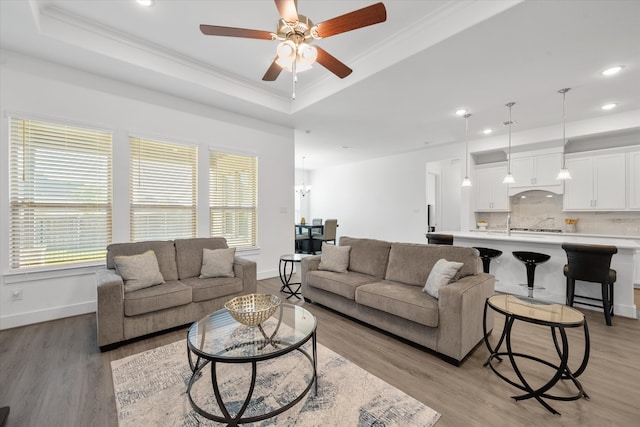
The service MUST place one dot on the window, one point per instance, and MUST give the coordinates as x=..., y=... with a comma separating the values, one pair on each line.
x=233, y=198
x=60, y=194
x=162, y=190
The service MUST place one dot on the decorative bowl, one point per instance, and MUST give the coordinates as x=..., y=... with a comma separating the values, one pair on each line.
x=252, y=309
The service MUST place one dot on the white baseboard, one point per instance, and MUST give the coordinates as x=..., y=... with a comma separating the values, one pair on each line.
x=22, y=319
x=267, y=274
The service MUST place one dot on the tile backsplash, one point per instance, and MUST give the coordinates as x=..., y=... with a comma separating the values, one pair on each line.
x=541, y=209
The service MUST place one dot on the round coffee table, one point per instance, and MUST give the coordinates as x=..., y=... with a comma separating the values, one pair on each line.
x=557, y=317
x=218, y=338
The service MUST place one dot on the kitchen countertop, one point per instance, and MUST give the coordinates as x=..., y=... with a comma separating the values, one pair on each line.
x=549, y=238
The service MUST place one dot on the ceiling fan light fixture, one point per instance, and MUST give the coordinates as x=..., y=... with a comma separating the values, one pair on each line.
x=286, y=52
x=307, y=54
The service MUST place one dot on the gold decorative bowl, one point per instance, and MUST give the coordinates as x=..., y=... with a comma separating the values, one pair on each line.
x=252, y=309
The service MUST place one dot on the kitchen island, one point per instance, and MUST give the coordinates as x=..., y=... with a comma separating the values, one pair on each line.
x=511, y=274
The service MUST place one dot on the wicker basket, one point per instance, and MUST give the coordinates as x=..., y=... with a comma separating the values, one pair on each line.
x=252, y=309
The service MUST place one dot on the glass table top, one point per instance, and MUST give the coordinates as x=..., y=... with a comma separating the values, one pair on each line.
x=529, y=308
x=219, y=336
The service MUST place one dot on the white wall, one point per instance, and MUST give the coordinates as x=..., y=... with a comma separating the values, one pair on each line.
x=386, y=198
x=39, y=90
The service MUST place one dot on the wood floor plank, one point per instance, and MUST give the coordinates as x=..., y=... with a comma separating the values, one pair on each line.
x=53, y=374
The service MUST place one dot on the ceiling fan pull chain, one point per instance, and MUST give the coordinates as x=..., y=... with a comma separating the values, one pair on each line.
x=294, y=80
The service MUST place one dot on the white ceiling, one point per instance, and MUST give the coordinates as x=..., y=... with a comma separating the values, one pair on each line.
x=410, y=73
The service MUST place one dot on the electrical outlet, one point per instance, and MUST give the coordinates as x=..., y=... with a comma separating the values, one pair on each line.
x=16, y=294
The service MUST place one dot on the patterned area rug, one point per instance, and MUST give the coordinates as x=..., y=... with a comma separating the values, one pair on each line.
x=150, y=389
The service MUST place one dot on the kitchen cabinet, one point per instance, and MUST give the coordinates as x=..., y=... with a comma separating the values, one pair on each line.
x=634, y=183
x=491, y=194
x=536, y=171
x=598, y=182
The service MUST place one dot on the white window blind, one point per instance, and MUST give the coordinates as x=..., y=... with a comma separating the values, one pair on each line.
x=60, y=194
x=162, y=190
x=233, y=198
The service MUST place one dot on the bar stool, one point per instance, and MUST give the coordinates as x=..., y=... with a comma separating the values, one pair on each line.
x=486, y=254
x=439, y=239
x=591, y=263
x=531, y=260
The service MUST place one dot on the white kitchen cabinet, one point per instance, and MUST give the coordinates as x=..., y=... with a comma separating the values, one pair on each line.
x=536, y=171
x=598, y=182
x=491, y=193
x=634, y=183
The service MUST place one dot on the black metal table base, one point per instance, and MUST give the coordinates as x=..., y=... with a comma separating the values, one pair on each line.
x=235, y=420
x=563, y=372
x=285, y=269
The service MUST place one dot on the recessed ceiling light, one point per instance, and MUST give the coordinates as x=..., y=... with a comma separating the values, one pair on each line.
x=488, y=131
x=523, y=197
x=608, y=107
x=549, y=195
x=613, y=70
x=144, y=2
x=461, y=112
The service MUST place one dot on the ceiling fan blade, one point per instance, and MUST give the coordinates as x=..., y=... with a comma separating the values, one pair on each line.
x=287, y=10
x=273, y=72
x=215, y=30
x=364, y=17
x=332, y=64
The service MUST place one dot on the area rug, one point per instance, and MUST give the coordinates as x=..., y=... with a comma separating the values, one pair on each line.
x=150, y=390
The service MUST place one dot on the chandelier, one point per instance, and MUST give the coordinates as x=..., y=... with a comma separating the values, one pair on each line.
x=303, y=190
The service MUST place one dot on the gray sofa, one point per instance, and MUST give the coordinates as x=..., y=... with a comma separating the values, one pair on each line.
x=383, y=287
x=182, y=298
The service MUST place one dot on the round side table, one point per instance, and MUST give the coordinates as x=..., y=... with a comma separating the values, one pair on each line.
x=285, y=269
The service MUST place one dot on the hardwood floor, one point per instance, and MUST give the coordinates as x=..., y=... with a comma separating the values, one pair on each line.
x=52, y=374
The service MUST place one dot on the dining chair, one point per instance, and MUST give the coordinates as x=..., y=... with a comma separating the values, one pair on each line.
x=439, y=239
x=316, y=231
x=329, y=235
x=300, y=238
x=591, y=263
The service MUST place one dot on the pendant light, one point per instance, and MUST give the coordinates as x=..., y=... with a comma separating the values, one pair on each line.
x=303, y=190
x=466, y=182
x=564, y=172
x=508, y=178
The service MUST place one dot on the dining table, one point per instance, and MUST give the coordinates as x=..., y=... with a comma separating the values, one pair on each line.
x=307, y=245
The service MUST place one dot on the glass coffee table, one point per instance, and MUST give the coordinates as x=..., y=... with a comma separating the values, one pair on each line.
x=218, y=338
x=557, y=317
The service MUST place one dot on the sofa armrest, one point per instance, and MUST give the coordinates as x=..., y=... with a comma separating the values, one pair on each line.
x=460, y=309
x=110, y=311
x=309, y=263
x=246, y=270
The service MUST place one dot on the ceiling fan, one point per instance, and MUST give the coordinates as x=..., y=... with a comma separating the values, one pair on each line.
x=296, y=33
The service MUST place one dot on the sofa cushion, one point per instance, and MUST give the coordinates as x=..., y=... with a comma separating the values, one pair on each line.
x=189, y=254
x=406, y=301
x=217, y=262
x=441, y=275
x=165, y=253
x=138, y=271
x=214, y=287
x=167, y=295
x=368, y=256
x=334, y=258
x=343, y=284
x=411, y=263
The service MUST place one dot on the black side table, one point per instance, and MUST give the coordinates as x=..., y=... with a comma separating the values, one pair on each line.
x=557, y=317
x=285, y=269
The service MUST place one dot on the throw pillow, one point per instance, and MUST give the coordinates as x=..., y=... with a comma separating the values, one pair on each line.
x=139, y=271
x=334, y=258
x=217, y=262
x=441, y=275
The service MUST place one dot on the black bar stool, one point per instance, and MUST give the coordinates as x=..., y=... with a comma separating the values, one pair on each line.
x=486, y=254
x=439, y=239
x=531, y=260
x=591, y=263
